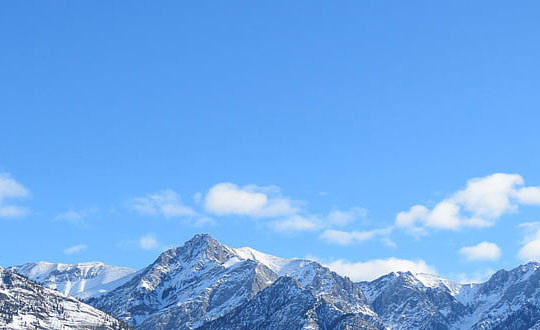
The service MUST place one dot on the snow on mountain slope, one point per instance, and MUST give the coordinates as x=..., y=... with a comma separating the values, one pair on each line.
x=285, y=305
x=25, y=304
x=274, y=263
x=207, y=285
x=508, y=300
x=403, y=302
x=187, y=286
x=82, y=280
x=203, y=280
x=434, y=281
x=330, y=286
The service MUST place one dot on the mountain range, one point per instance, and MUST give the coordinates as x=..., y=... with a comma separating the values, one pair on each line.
x=209, y=286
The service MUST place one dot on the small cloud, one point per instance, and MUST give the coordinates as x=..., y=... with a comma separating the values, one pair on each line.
x=343, y=218
x=148, y=242
x=373, y=269
x=75, y=217
x=348, y=238
x=479, y=276
x=75, y=249
x=481, y=251
x=204, y=221
x=250, y=200
x=11, y=189
x=530, y=251
x=166, y=203
x=297, y=223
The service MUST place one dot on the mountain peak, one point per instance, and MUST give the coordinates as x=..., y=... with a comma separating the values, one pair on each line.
x=201, y=239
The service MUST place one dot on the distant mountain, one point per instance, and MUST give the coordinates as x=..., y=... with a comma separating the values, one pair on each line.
x=25, y=304
x=83, y=280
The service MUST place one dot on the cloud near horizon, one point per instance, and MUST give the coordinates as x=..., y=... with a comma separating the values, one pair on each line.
x=530, y=251
x=373, y=269
x=480, y=204
x=481, y=251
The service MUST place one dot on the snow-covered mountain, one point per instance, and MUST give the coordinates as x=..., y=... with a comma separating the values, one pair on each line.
x=25, y=304
x=209, y=286
x=82, y=280
x=204, y=280
x=508, y=300
x=187, y=286
x=286, y=305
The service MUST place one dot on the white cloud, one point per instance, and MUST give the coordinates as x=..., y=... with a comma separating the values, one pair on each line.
x=11, y=189
x=166, y=203
x=478, y=205
x=251, y=200
x=297, y=223
x=372, y=269
x=343, y=218
x=481, y=251
x=75, y=217
x=75, y=249
x=148, y=242
x=528, y=195
x=479, y=276
x=348, y=238
x=530, y=251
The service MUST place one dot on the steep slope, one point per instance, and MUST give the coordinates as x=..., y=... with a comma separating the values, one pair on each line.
x=508, y=300
x=25, y=304
x=403, y=302
x=82, y=280
x=336, y=290
x=203, y=280
x=187, y=286
x=285, y=305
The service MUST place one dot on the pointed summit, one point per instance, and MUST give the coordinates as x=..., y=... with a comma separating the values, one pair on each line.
x=200, y=247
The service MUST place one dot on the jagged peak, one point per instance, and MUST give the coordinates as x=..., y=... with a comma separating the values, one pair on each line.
x=200, y=245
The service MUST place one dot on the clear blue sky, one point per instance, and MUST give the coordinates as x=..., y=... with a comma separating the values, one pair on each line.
x=115, y=114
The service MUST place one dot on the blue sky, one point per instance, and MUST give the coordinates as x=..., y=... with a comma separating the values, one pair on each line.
x=297, y=128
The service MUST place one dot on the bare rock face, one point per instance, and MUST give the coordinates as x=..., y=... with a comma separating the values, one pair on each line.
x=25, y=304
x=286, y=305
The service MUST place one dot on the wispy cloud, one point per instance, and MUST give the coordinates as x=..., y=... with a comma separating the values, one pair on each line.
x=75, y=249
x=352, y=237
x=75, y=217
x=166, y=203
x=297, y=223
x=148, y=242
